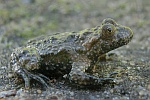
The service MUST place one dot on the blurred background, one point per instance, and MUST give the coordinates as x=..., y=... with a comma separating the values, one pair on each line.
x=24, y=19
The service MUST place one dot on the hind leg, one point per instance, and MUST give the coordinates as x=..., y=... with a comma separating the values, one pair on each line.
x=27, y=76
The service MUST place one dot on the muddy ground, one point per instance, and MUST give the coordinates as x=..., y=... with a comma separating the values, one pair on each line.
x=21, y=20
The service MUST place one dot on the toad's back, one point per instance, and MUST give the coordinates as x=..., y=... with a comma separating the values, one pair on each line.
x=59, y=41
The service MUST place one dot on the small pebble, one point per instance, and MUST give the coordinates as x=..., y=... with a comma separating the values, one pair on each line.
x=124, y=61
x=54, y=97
x=142, y=93
x=132, y=63
x=148, y=86
x=10, y=75
x=72, y=93
x=112, y=90
x=8, y=93
x=39, y=91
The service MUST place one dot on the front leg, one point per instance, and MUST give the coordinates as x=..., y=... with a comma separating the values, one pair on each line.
x=78, y=75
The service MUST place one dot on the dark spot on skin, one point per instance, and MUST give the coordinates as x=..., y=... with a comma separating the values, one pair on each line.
x=53, y=39
x=25, y=51
x=20, y=55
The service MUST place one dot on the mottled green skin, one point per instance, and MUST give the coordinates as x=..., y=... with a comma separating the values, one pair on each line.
x=74, y=54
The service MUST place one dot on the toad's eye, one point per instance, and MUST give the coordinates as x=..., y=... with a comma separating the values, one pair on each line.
x=108, y=30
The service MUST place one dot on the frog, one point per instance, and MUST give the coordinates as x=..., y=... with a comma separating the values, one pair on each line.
x=71, y=54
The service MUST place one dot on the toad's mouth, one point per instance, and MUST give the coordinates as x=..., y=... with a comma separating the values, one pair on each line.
x=123, y=36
